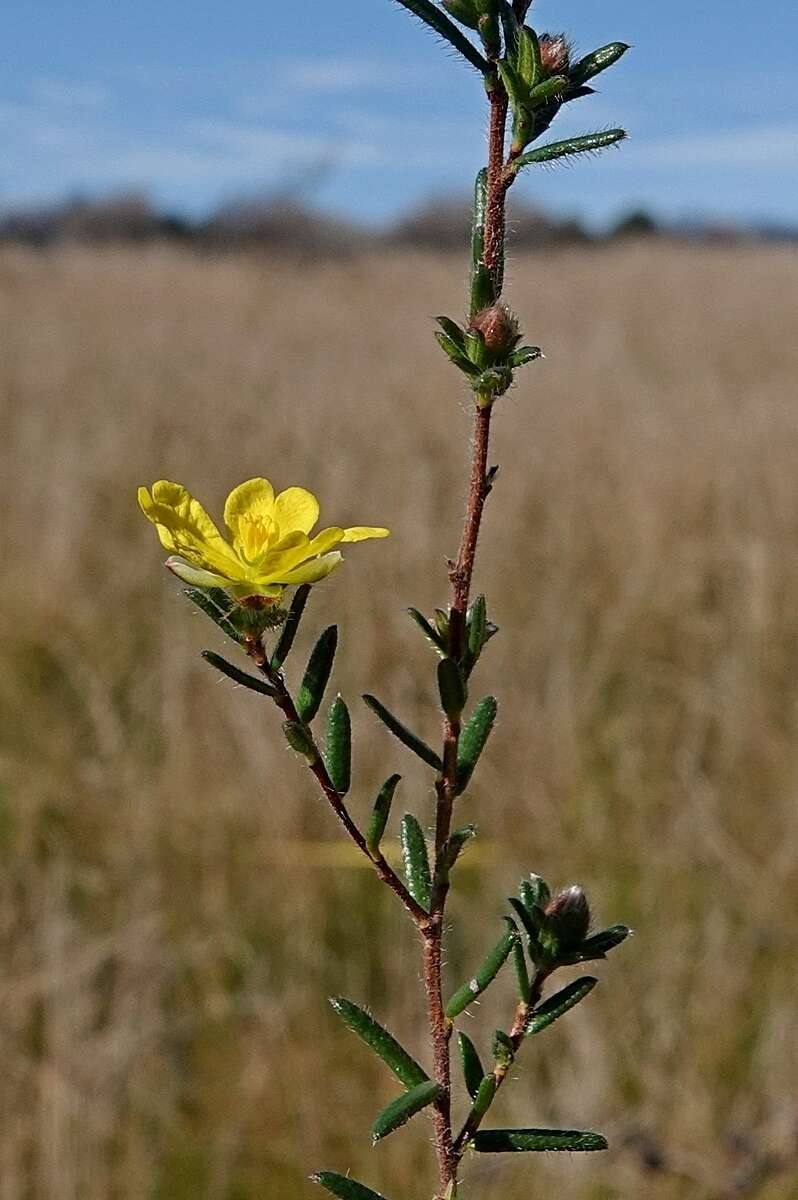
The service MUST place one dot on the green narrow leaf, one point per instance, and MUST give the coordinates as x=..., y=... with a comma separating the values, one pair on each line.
x=522, y=973
x=288, y=633
x=593, y=64
x=558, y=1005
x=343, y=1187
x=483, y=291
x=380, y=814
x=338, y=746
x=477, y=350
x=475, y=734
x=509, y=1141
x=528, y=61
x=529, y=918
x=456, y=355
x=524, y=355
x=548, y=90
x=299, y=739
x=478, y=225
x=429, y=631
x=484, y=1096
x=400, y=731
x=476, y=626
x=317, y=675
x=452, y=688
x=218, y=605
x=490, y=33
x=588, y=144
x=238, y=676
x=437, y=20
x=403, y=1108
x=443, y=625
x=380, y=1041
x=473, y=1071
x=454, y=844
x=599, y=945
x=510, y=24
x=463, y=12
x=485, y=975
x=416, y=860
x=514, y=86
x=453, y=330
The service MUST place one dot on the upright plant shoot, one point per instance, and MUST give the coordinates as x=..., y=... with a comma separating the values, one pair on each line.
x=255, y=584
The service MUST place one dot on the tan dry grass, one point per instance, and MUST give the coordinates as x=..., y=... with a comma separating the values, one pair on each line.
x=166, y=950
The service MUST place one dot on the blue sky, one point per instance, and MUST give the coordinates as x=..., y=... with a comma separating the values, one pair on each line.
x=198, y=101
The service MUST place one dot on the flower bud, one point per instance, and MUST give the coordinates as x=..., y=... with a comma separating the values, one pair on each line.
x=569, y=915
x=498, y=328
x=555, y=53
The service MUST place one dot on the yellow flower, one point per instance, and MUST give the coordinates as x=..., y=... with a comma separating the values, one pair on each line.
x=270, y=548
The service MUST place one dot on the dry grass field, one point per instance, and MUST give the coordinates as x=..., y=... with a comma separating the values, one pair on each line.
x=175, y=903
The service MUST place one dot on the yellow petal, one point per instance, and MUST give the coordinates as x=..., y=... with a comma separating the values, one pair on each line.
x=359, y=533
x=313, y=571
x=253, y=499
x=285, y=556
x=296, y=508
x=195, y=576
x=183, y=525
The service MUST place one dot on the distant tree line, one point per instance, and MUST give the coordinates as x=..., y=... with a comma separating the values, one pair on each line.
x=280, y=224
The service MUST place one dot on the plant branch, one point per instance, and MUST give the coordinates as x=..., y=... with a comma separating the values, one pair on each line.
x=286, y=704
x=460, y=576
x=523, y=1015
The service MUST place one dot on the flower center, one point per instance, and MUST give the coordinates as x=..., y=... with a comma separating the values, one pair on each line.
x=255, y=535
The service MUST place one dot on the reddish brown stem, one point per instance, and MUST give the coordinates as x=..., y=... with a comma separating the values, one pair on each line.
x=497, y=185
x=285, y=703
x=461, y=575
x=523, y=1014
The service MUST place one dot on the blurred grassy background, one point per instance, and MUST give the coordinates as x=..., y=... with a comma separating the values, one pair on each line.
x=171, y=913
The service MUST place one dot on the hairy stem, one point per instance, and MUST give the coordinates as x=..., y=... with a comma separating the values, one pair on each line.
x=523, y=1014
x=460, y=576
x=285, y=703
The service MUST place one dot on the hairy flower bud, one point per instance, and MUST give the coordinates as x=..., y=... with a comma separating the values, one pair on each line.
x=498, y=328
x=555, y=53
x=569, y=914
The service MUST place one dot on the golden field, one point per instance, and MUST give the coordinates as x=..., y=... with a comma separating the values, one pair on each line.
x=175, y=901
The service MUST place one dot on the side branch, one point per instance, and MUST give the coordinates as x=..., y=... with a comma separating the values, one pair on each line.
x=523, y=1015
x=286, y=705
